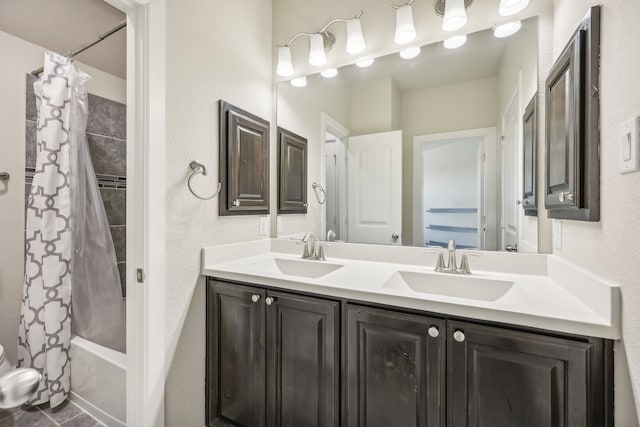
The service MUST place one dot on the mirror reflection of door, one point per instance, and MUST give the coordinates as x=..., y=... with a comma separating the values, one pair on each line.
x=374, y=182
x=334, y=167
x=510, y=181
x=454, y=189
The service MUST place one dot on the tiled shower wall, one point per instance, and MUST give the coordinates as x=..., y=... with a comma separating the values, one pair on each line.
x=106, y=134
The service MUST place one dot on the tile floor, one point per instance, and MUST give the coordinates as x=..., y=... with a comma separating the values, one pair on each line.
x=67, y=415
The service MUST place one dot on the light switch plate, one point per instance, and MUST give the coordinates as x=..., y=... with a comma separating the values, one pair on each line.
x=264, y=225
x=629, y=146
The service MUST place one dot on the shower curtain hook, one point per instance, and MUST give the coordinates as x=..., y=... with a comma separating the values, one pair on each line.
x=199, y=168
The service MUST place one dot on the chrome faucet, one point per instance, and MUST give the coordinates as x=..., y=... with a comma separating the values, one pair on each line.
x=312, y=250
x=452, y=266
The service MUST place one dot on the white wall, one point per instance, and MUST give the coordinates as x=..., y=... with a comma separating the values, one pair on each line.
x=519, y=71
x=299, y=111
x=214, y=50
x=466, y=105
x=374, y=106
x=610, y=247
x=21, y=58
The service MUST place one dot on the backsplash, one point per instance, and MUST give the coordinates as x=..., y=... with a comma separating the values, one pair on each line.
x=106, y=135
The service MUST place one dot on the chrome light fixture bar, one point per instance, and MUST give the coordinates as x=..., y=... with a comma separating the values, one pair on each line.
x=320, y=43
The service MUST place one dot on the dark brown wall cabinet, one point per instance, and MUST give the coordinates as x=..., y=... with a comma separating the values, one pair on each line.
x=272, y=358
x=292, y=172
x=530, y=158
x=244, y=162
x=572, y=127
x=394, y=369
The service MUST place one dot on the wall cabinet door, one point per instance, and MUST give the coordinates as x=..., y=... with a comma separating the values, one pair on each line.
x=530, y=160
x=236, y=354
x=394, y=369
x=303, y=361
x=499, y=377
x=292, y=172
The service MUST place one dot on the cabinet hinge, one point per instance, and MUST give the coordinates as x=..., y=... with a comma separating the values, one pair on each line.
x=140, y=275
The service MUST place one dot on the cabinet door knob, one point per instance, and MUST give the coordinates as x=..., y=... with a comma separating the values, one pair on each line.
x=564, y=195
x=269, y=300
x=255, y=298
x=433, y=332
x=458, y=336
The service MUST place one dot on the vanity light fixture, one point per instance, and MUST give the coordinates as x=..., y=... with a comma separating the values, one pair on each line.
x=329, y=73
x=511, y=7
x=455, y=41
x=299, y=82
x=506, y=30
x=453, y=12
x=410, y=52
x=320, y=43
x=405, y=30
x=364, y=63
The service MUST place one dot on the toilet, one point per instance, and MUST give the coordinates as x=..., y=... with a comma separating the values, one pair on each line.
x=4, y=363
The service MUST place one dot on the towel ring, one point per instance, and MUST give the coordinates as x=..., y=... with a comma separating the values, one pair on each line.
x=198, y=168
x=315, y=187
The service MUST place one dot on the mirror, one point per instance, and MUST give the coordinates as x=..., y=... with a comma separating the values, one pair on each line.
x=419, y=151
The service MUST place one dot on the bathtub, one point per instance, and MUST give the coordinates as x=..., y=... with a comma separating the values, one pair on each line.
x=98, y=381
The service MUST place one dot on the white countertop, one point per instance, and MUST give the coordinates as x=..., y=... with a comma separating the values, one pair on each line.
x=547, y=292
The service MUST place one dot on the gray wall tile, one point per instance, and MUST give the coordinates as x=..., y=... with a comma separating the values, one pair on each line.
x=109, y=156
x=115, y=204
x=32, y=112
x=107, y=118
x=30, y=144
x=119, y=234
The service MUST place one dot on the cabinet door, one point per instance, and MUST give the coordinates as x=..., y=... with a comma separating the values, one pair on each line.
x=394, y=369
x=530, y=161
x=302, y=361
x=236, y=354
x=292, y=172
x=498, y=377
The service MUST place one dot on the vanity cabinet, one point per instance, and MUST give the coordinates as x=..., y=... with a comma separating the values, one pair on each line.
x=273, y=358
x=500, y=377
x=394, y=368
x=276, y=358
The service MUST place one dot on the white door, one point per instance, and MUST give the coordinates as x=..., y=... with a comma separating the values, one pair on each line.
x=374, y=176
x=510, y=178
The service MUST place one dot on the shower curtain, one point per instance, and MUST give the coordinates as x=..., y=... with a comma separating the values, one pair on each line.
x=69, y=254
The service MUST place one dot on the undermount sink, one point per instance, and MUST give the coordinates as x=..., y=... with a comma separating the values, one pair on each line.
x=300, y=268
x=459, y=286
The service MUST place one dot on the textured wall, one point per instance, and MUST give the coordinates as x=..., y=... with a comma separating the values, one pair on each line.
x=214, y=50
x=610, y=247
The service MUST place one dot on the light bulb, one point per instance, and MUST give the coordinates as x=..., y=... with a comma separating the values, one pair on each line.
x=317, y=55
x=405, y=31
x=299, y=81
x=511, y=7
x=284, y=68
x=455, y=16
x=505, y=30
x=364, y=63
x=455, y=42
x=329, y=73
x=355, y=40
x=410, y=52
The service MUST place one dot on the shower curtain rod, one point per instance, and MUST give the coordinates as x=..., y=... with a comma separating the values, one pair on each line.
x=81, y=49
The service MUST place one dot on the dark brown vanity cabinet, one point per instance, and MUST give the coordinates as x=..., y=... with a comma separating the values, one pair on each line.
x=244, y=162
x=273, y=358
x=500, y=377
x=395, y=369
x=530, y=158
x=572, y=127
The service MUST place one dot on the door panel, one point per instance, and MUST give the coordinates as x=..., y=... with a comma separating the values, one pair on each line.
x=237, y=360
x=303, y=361
x=394, y=369
x=375, y=188
x=498, y=377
